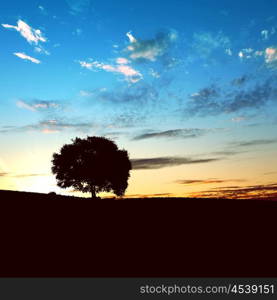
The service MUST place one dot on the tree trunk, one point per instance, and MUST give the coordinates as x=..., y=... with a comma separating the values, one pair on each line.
x=93, y=194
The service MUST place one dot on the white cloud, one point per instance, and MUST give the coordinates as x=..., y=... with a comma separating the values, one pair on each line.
x=131, y=37
x=129, y=73
x=149, y=54
x=259, y=53
x=238, y=119
x=42, y=10
x=27, y=57
x=122, y=61
x=30, y=34
x=154, y=73
x=246, y=53
x=205, y=43
x=84, y=93
x=86, y=65
x=229, y=51
x=37, y=105
x=77, y=31
x=48, y=130
x=195, y=95
x=41, y=50
x=150, y=49
x=78, y=6
x=264, y=34
x=271, y=56
x=22, y=104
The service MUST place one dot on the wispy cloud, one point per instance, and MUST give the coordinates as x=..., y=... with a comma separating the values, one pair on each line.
x=77, y=31
x=266, y=191
x=270, y=173
x=175, y=133
x=84, y=93
x=267, y=33
x=229, y=52
x=27, y=57
x=52, y=126
x=140, y=93
x=240, y=80
x=205, y=43
x=205, y=102
x=22, y=175
x=41, y=50
x=246, y=53
x=36, y=105
x=78, y=6
x=122, y=61
x=271, y=57
x=121, y=67
x=150, y=50
x=42, y=10
x=154, y=74
x=226, y=153
x=255, y=143
x=213, y=100
x=205, y=181
x=238, y=119
x=163, y=162
x=31, y=35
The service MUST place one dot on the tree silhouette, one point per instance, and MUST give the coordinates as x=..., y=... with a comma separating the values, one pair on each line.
x=94, y=165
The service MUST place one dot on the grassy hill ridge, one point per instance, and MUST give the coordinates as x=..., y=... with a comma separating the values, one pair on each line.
x=23, y=196
x=147, y=238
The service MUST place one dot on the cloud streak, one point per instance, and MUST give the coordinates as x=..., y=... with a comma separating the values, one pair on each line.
x=22, y=175
x=256, y=143
x=266, y=191
x=175, y=133
x=37, y=105
x=27, y=57
x=51, y=126
x=205, y=181
x=121, y=67
x=163, y=162
x=31, y=35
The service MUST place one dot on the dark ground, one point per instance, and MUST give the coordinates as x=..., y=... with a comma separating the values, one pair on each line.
x=47, y=235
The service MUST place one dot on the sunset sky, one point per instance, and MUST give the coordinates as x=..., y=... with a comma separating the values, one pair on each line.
x=188, y=88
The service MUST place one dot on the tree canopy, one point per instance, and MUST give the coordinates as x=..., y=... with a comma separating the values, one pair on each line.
x=94, y=165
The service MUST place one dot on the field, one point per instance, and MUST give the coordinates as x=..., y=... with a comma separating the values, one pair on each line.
x=51, y=235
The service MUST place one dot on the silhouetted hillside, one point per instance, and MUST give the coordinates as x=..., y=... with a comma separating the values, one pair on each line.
x=50, y=235
x=25, y=196
x=28, y=196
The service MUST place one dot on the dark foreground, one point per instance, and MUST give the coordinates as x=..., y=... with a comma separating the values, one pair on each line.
x=47, y=235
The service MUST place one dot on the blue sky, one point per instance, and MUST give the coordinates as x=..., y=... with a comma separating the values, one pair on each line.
x=187, y=87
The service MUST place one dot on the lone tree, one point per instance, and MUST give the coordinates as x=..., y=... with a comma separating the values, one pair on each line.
x=94, y=165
